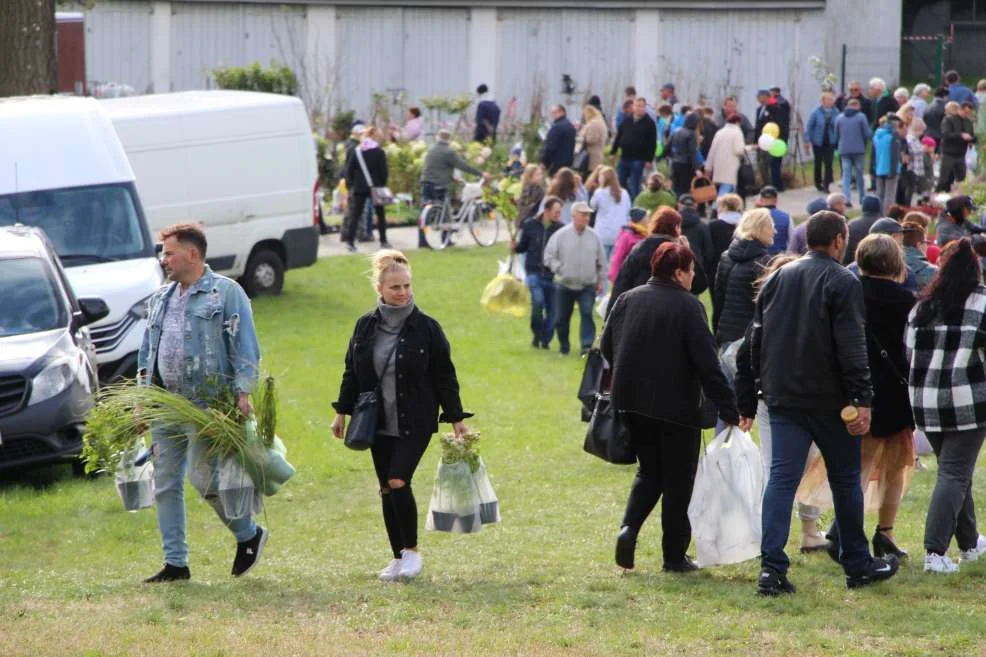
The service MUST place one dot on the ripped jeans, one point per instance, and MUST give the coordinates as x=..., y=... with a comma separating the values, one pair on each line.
x=177, y=450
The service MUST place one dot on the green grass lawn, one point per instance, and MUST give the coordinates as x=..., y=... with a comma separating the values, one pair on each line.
x=541, y=583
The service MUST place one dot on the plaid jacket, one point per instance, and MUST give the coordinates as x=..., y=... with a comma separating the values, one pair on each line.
x=948, y=369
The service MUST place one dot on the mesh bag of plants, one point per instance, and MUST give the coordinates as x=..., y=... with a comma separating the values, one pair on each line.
x=135, y=483
x=506, y=293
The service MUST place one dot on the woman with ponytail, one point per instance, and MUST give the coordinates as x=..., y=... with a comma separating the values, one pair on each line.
x=946, y=346
x=403, y=352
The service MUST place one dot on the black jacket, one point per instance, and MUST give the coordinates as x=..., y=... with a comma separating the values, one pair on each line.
x=952, y=143
x=425, y=374
x=559, y=146
x=636, y=268
x=808, y=342
x=884, y=105
x=663, y=356
x=636, y=139
x=933, y=116
x=865, y=104
x=684, y=143
x=533, y=236
x=722, y=236
x=773, y=113
x=700, y=242
x=708, y=131
x=858, y=229
x=732, y=297
x=887, y=307
x=376, y=164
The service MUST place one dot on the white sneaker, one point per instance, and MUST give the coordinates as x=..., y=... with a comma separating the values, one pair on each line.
x=392, y=572
x=939, y=563
x=410, y=564
x=968, y=556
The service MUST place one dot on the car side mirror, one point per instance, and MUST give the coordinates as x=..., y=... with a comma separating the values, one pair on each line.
x=93, y=310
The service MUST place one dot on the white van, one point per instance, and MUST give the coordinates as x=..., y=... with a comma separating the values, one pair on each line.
x=62, y=168
x=241, y=163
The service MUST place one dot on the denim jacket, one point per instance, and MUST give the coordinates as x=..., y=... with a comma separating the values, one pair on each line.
x=220, y=338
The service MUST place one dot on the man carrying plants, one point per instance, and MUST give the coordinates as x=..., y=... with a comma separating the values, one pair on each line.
x=200, y=343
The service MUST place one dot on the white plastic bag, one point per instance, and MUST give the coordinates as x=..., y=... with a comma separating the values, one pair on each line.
x=135, y=483
x=971, y=158
x=237, y=494
x=513, y=266
x=454, y=505
x=602, y=304
x=725, y=509
x=489, y=505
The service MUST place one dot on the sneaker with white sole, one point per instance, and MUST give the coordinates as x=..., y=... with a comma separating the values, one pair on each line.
x=410, y=564
x=939, y=563
x=392, y=572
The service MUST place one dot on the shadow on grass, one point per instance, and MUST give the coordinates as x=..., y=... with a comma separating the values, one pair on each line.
x=39, y=478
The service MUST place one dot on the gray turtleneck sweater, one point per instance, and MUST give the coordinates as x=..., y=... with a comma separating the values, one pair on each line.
x=388, y=331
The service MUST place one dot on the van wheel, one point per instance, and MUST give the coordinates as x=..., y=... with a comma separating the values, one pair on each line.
x=264, y=274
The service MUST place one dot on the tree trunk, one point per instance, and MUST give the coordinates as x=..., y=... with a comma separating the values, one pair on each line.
x=27, y=48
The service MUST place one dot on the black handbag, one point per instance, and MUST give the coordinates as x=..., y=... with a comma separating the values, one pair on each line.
x=592, y=376
x=608, y=436
x=580, y=162
x=362, y=430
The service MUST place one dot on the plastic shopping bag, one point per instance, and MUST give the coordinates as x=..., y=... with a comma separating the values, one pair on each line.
x=726, y=501
x=454, y=505
x=507, y=293
x=237, y=493
x=267, y=466
x=602, y=305
x=971, y=158
x=135, y=484
x=489, y=505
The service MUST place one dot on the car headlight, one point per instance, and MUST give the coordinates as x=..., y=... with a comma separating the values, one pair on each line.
x=53, y=379
x=139, y=309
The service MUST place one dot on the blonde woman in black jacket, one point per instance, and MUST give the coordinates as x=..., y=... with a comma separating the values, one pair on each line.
x=663, y=355
x=405, y=352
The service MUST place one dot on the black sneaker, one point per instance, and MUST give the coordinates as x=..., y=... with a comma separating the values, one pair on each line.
x=626, y=545
x=686, y=565
x=248, y=553
x=773, y=583
x=170, y=574
x=878, y=571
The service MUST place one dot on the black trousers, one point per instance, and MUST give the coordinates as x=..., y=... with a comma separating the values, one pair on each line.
x=357, y=210
x=681, y=178
x=668, y=458
x=952, y=170
x=398, y=458
x=823, y=160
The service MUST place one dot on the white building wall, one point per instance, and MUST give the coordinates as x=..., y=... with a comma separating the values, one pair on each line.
x=118, y=43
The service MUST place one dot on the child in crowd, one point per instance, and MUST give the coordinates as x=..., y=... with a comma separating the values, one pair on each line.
x=656, y=195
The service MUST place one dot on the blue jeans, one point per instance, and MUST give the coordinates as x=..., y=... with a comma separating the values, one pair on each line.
x=565, y=300
x=726, y=188
x=853, y=164
x=542, y=307
x=369, y=218
x=792, y=433
x=176, y=451
x=631, y=174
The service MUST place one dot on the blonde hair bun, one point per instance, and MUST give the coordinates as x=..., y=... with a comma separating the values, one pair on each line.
x=387, y=260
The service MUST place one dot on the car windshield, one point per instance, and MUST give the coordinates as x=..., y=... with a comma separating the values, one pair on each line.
x=32, y=302
x=84, y=224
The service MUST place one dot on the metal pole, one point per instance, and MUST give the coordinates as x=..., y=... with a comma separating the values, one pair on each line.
x=843, y=70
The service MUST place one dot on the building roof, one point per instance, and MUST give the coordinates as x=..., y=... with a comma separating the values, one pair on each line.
x=540, y=4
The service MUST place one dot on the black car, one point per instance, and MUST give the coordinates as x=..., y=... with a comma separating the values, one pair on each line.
x=47, y=359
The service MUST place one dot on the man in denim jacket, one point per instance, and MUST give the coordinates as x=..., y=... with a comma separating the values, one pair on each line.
x=200, y=335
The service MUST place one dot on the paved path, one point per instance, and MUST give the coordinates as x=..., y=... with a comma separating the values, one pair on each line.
x=405, y=238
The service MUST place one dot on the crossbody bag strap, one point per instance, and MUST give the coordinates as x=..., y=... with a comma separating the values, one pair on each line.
x=886, y=356
x=362, y=165
x=386, y=363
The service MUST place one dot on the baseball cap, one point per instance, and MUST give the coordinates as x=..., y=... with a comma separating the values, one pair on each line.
x=817, y=205
x=686, y=199
x=886, y=226
x=768, y=191
x=871, y=204
x=957, y=204
x=668, y=85
x=358, y=129
x=775, y=88
x=581, y=207
x=763, y=92
x=637, y=214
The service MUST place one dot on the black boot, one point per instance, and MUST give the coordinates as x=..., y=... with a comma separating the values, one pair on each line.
x=884, y=545
x=626, y=545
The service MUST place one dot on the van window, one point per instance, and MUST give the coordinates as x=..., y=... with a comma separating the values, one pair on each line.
x=32, y=301
x=85, y=224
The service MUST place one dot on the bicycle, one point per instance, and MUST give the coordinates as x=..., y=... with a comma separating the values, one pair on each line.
x=439, y=222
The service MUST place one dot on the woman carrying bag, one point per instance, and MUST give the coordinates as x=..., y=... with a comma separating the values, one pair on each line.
x=366, y=177
x=400, y=354
x=663, y=355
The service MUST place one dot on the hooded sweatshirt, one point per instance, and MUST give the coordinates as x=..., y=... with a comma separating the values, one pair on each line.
x=886, y=147
x=853, y=131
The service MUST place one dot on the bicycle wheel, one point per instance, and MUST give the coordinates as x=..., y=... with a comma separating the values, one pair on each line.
x=484, y=224
x=432, y=225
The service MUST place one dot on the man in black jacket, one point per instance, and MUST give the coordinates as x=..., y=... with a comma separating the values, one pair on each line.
x=957, y=134
x=855, y=92
x=769, y=166
x=808, y=351
x=559, y=144
x=534, y=235
x=636, y=140
x=934, y=115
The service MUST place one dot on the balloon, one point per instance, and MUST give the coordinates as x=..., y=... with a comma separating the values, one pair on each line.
x=765, y=142
x=778, y=148
x=772, y=129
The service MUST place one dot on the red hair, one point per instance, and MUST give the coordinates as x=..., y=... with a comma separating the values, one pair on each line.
x=669, y=258
x=665, y=221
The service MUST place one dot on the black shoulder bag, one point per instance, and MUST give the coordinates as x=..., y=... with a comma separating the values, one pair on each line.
x=362, y=430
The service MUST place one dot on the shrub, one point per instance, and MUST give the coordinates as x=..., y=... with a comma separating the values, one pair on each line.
x=276, y=79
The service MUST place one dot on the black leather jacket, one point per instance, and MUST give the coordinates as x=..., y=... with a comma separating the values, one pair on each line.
x=808, y=337
x=425, y=374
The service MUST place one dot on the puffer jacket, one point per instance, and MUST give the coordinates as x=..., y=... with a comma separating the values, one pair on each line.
x=700, y=241
x=732, y=300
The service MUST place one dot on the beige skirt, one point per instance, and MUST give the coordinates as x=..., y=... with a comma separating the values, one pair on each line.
x=887, y=466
